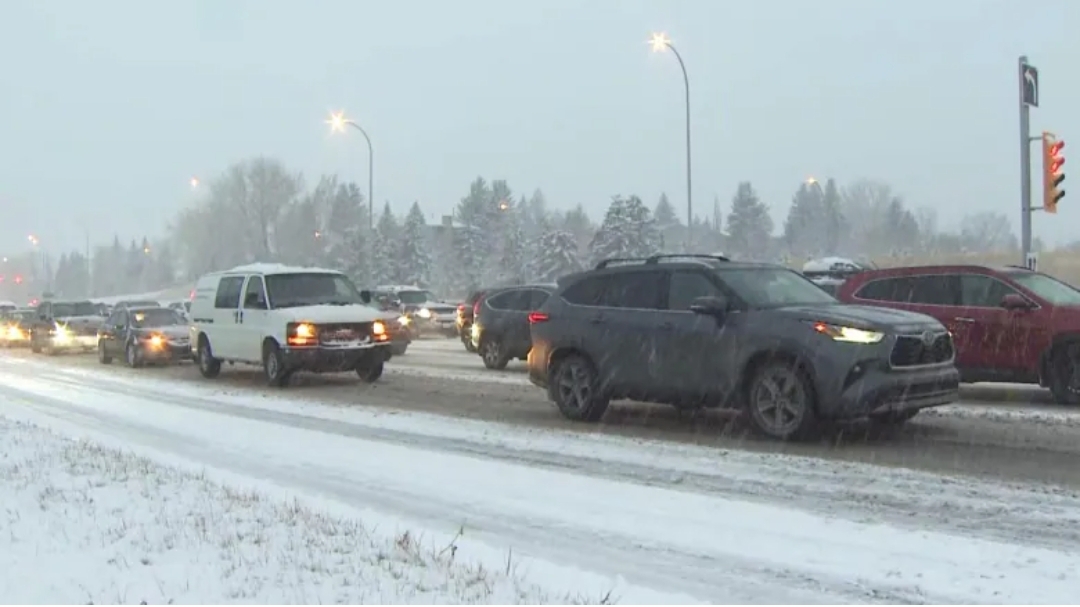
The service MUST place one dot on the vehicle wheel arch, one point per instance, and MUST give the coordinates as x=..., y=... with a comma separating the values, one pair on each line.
x=1046, y=358
x=560, y=354
x=780, y=354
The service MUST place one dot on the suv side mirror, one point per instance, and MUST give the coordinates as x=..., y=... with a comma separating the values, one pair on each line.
x=365, y=296
x=711, y=305
x=1015, y=301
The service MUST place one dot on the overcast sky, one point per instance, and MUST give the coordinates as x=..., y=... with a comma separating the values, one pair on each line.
x=109, y=107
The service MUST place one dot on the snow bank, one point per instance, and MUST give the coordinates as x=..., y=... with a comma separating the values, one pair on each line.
x=86, y=524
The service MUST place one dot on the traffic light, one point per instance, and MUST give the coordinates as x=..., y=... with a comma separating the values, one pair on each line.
x=1053, y=175
x=18, y=279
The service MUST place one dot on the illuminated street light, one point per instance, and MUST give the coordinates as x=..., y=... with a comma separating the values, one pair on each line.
x=33, y=240
x=660, y=43
x=338, y=122
x=194, y=182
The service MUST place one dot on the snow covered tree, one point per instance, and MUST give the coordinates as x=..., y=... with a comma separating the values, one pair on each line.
x=513, y=256
x=667, y=222
x=749, y=224
x=556, y=255
x=414, y=254
x=628, y=230
x=384, y=255
x=344, y=234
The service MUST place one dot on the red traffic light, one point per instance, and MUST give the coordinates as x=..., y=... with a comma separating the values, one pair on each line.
x=18, y=279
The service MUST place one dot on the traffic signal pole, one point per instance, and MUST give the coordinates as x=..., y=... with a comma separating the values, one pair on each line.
x=1025, y=166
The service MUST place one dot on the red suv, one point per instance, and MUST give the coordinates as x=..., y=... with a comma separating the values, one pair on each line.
x=1009, y=324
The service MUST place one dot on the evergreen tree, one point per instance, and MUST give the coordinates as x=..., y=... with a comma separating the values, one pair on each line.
x=385, y=246
x=556, y=255
x=835, y=224
x=512, y=255
x=415, y=253
x=667, y=222
x=805, y=224
x=628, y=230
x=345, y=234
x=749, y=224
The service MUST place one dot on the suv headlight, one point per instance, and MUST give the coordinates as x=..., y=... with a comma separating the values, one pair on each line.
x=849, y=334
x=301, y=334
x=423, y=313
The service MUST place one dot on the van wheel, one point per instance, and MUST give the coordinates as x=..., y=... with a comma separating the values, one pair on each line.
x=370, y=368
x=577, y=390
x=277, y=375
x=780, y=400
x=491, y=351
x=1065, y=374
x=209, y=366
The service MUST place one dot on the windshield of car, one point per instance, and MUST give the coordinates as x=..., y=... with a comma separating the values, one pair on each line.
x=1051, y=289
x=418, y=296
x=20, y=316
x=155, y=317
x=774, y=287
x=67, y=309
x=291, y=290
x=139, y=303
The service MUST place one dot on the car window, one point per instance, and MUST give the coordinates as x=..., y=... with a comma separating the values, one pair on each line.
x=537, y=298
x=514, y=299
x=936, y=290
x=636, y=290
x=979, y=290
x=886, y=289
x=587, y=291
x=772, y=287
x=414, y=297
x=113, y=320
x=254, y=295
x=228, y=292
x=1048, y=288
x=686, y=286
x=156, y=317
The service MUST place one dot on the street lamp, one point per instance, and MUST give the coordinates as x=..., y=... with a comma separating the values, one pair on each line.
x=338, y=122
x=194, y=182
x=660, y=43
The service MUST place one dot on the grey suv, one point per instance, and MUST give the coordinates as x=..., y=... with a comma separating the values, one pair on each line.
x=703, y=331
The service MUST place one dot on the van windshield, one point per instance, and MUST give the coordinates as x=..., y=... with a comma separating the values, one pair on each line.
x=310, y=289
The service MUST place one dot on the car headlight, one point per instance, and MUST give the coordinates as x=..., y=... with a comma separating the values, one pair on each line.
x=849, y=334
x=155, y=341
x=301, y=334
x=423, y=313
x=404, y=321
x=60, y=333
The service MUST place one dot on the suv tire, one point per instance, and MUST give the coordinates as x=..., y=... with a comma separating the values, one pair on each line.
x=1065, y=374
x=493, y=354
x=780, y=401
x=132, y=355
x=277, y=374
x=103, y=354
x=209, y=366
x=576, y=390
x=371, y=367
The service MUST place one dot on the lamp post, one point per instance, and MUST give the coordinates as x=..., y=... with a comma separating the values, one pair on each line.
x=660, y=43
x=338, y=122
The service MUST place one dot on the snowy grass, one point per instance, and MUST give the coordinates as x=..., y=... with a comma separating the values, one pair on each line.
x=87, y=524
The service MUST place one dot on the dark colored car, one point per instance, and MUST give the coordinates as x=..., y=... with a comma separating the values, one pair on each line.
x=144, y=335
x=1009, y=324
x=15, y=327
x=466, y=312
x=65, y=326
x=702, y=331
x=500, y=331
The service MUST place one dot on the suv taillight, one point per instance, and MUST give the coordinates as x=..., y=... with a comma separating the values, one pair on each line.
x=538, y=317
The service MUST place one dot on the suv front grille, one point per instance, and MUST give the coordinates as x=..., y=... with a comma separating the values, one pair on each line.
x=912, y=351
x=343, y=333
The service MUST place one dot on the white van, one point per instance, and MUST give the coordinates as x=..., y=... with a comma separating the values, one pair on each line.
x=286, y=319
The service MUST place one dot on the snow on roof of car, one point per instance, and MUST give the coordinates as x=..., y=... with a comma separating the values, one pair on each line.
x=831, y=264
x=278, y=268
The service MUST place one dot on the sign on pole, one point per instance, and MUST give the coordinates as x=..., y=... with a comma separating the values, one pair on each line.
x=1029, y=85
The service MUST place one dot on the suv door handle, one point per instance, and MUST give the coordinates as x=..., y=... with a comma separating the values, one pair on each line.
x=239, y=315
x=964, y=319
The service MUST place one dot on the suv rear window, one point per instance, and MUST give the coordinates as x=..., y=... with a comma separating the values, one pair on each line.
x=637, y=290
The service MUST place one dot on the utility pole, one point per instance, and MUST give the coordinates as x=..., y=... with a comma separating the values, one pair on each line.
x=1028, y=77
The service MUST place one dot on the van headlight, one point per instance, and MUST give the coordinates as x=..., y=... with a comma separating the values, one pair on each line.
x=423, y=313
x=404, y=321
x=849, y=334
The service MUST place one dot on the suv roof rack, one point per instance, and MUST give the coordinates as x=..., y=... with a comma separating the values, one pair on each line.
x=655, y=259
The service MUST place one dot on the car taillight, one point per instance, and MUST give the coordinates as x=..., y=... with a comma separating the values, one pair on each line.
x=476, y=308
x=461, y=310
x=538, y=317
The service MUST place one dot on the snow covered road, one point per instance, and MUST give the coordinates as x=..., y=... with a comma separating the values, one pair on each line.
x=720, y=526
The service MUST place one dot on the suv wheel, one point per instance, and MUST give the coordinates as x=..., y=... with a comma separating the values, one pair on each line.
x=577, y=391
x=780, y=401
x=103, y=354
x=491, y=351
x=370, y=368
x=209, y=366
x=1065, y=374
x=277, y=374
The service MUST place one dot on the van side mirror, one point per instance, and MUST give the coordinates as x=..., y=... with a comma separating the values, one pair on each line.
x=711, y=306
x=365, y=296
x=1015, y=301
